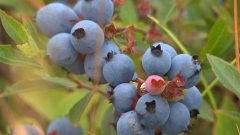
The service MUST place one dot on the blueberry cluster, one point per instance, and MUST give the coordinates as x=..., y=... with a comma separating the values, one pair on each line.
x=77, y=40
x=77, y=43
x=157, y=104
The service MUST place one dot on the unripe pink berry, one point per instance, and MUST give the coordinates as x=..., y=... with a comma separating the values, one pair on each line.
x=154, y=84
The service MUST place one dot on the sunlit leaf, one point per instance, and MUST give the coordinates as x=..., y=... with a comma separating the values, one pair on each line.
x=14, y=29
x=10, y=55
x=108, y=122
x=51, y=103
x=77, y=110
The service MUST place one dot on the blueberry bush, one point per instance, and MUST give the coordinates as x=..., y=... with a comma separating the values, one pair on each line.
x=119, y=67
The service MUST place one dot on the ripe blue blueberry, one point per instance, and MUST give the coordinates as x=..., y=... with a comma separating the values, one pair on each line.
x=63, y=126
x=188, y=66
x=27, y=129
x=77, y=67
x=156, y=61
x=87, y=37
x=153, y=110
x=123, y=96
x=93, y=63
x=118, y=69
x=60, y=49
x=55, y=18
x=193, y=101
x=128, y=124
x=99, y=11
x=178, y=120
x=167, y=48
x=110, y=46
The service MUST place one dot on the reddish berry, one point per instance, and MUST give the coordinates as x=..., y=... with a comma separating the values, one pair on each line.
x=154, y=84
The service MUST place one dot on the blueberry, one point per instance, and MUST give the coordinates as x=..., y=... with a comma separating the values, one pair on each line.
x=128, y=124
x=178, y=120
x=77, y=67
x=99, y=11
x=188, y=66
x=153, y=110
x=87, y=37
x=63, y=126
x=156, y=61
x=193, y=101
x=68, y=2
x=95, y=64
x=118, y=69
x=27, y=129
x=167, y=48
x=123, y=96
x=110, y=46
x=60, y=49
x=55, y=18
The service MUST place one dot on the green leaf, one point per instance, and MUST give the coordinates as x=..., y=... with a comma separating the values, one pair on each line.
x=13, y=28
x=60, y=82
x=231, y=114
x=219, y=40
x=12, y=56
x=165, y=9
x=108, y=122
x=224, y=125
x=77, y=110
x=226, y=73
x=51, y=103
x=19, y=5
x=206, y=112
x=128, y=13
x=31, y=33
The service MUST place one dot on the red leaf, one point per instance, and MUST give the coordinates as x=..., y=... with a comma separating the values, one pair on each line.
x=110, y=31
x=129, y=35
x=134, y=103
x=144, y=8
x=153, y=34
x=173, y=89
x=119, y=2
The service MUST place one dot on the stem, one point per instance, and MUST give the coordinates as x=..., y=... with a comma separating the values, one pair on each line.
x=170, y=34
x=81, y=84
x=236, y=35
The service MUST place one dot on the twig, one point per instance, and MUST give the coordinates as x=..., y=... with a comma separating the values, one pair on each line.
x=81, y=84
x=236, y=35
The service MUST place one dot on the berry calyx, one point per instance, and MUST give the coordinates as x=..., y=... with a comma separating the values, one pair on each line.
x=157, y=51
x=79, y=33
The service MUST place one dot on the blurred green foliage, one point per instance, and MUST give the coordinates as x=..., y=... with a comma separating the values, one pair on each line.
x=196, y=27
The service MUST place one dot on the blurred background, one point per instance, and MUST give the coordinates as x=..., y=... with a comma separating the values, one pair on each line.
x=29, y=94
